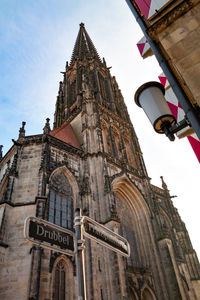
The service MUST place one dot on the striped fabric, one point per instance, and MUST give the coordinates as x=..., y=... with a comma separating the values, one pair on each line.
x=149, y=7
x=179, y=114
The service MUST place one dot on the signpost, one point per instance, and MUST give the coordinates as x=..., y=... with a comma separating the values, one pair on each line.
x=80, y=268
x=48, y=235
x=105, y=236
x=54, y=237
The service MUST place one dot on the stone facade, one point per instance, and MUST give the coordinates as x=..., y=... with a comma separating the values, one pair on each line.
x=91, y=159
x=176, y=30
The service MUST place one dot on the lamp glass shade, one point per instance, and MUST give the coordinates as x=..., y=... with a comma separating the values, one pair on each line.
x=150, y=96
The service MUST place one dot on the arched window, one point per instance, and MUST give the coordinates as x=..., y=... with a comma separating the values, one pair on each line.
x=59, y=282
x=133, y=296
x=129, y=150
x=116, y=136
x=60, y=201
x=63, y=280
x=147, y=295
x=128, y=230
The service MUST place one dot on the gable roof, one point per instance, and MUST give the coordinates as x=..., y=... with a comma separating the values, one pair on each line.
x=66, y=134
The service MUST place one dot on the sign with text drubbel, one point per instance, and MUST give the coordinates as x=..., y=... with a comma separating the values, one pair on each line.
x=105, y=236
x=48, y=235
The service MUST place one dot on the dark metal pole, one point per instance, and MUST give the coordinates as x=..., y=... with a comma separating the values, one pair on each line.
x=189, y=110
x=79, y=256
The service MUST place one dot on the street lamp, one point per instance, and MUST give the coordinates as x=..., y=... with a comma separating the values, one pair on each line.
x=150, y=96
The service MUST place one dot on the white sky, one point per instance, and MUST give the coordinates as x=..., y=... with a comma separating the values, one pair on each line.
x=36, y=39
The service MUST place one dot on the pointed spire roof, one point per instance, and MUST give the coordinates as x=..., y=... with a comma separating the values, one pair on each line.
x=84, y=46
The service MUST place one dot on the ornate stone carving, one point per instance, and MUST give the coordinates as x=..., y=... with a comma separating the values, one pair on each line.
x=85, y=186
x=169, y=18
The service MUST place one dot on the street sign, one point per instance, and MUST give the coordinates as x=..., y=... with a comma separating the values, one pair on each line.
x=105, y=236
x=48, y=235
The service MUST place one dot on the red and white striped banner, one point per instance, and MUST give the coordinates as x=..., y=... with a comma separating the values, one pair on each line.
x=172, y=101
x=179, y=114
x=143, y=47
x=149, y=7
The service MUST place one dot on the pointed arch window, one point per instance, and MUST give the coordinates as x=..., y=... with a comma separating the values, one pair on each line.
x=128, y=230
x=133, y=296
x=63, y=280
x=129, y=150
x=59, y=283
x=147, y=295
x=61, y=202
x=116, y=142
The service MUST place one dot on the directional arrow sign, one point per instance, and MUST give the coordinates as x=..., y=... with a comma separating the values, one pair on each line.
x=48, y=235
x=105, y=236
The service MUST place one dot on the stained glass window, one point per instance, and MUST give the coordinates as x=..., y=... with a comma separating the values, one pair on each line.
x=61, y=202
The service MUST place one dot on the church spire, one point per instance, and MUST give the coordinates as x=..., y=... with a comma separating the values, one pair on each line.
x=84, y=47
x=87, y=75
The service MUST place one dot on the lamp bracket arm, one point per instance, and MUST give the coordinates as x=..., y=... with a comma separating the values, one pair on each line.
x=180, y=125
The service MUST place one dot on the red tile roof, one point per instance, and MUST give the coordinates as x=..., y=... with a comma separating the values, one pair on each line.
x=66, y=134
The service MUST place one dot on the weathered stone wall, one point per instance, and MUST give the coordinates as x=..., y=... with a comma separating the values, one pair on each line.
x=15, y=260
x=181, y=42
x=26, y=183
x=60, y=157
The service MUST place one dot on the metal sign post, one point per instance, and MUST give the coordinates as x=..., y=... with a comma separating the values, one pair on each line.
x=80, y=269
x=57, y=238
x=53, y=237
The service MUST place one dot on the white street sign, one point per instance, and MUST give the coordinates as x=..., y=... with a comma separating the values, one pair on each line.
x=48, y=235
x=105, y=236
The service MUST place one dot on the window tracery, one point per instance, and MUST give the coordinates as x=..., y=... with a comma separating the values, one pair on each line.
x=129, y=150
x=127, y=231
x=61, y=202
x=62, y=280
x=147, y=295
x=116, y=136
x=59, y=282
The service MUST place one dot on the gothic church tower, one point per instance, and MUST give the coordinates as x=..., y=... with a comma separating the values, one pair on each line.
x=91, y=159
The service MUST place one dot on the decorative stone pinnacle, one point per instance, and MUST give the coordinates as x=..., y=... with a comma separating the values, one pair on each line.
x=104, y=62
x=164, y=186
x=47, y=129
x=82, y=25
x=22, y=130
